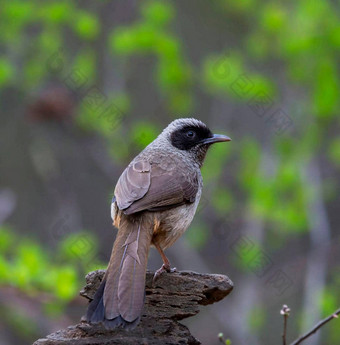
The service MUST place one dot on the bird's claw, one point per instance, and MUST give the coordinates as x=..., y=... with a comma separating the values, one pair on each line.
x=160, y=271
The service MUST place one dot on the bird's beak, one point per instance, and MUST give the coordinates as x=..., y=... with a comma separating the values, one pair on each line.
x=216, y=138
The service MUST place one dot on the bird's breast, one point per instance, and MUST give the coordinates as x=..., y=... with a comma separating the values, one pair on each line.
x=174, y=222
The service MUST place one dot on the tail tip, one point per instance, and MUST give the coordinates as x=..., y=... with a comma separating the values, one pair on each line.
x=116, y=323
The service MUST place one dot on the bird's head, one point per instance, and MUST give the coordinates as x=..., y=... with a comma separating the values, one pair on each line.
x=192, y=136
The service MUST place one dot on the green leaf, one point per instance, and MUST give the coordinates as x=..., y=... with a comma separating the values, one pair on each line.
x=50, y=41
x=103, y=113
x=143, y=134
x=274, y=16
x=7, y=239
x=86, y=25
x=215, y=161
x=226, y=74
x=334, y=151
x=30, y=259
x=287, y=176
x=168, y=48
x=145, y=38
x=123, y=41
x=172, y=73
x=19, y=12
x=57, y=12
x=250, y=156
x=85, y=63
x=326, y=92
x=328, y=301
x=219, y=71
x=66, y=284
x=158, y=13
x=5, y=270
x=79, y=247
x=6, y=71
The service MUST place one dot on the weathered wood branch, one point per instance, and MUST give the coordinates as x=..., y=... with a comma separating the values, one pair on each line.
x=174, y=297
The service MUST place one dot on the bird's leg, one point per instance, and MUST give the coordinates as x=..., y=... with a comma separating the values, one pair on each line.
x=166, y=263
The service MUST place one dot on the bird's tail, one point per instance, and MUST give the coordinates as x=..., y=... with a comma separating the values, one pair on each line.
x=120, y=298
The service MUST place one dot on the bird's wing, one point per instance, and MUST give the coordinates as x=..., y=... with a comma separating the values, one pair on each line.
x=133, y=184
x=145, y=186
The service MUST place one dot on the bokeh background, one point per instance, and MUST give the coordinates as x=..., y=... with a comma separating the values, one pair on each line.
x=85, y=85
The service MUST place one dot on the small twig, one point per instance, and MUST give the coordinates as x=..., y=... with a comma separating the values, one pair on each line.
x=316, y=327
x=285, y=312
x=284, y=329
x=223, y=340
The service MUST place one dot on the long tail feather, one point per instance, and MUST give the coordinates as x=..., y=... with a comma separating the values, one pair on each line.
x=120, y=298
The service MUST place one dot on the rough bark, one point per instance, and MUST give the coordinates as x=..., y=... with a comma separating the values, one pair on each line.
x=174, y=297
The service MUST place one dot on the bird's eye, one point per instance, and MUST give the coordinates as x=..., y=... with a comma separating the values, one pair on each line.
x=190, y=134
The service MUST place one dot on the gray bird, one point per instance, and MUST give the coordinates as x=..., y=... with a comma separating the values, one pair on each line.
x=154, y=202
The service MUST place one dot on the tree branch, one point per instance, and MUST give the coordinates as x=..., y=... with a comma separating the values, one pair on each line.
x=316, y=327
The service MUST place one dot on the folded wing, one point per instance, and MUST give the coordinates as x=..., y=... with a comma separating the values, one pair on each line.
x=145, y=186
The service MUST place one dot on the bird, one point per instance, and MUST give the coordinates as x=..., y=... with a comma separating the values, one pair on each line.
x=154, y=202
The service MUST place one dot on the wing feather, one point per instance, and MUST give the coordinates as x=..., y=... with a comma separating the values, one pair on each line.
x=133, y=184
x=145, y=186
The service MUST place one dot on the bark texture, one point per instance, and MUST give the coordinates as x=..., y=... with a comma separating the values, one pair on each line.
x=175, y=296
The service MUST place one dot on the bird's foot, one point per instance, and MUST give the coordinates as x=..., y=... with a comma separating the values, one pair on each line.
x=164, y=268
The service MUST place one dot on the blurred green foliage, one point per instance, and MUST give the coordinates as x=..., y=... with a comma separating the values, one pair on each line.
x=334, y=151
x=227, y=74
x=143, y=133
x=257, y=319
x=152, y=35
x=28, y=327
x=303, y=37
x=199, y=235
x=26, y=265
x=6, y=71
